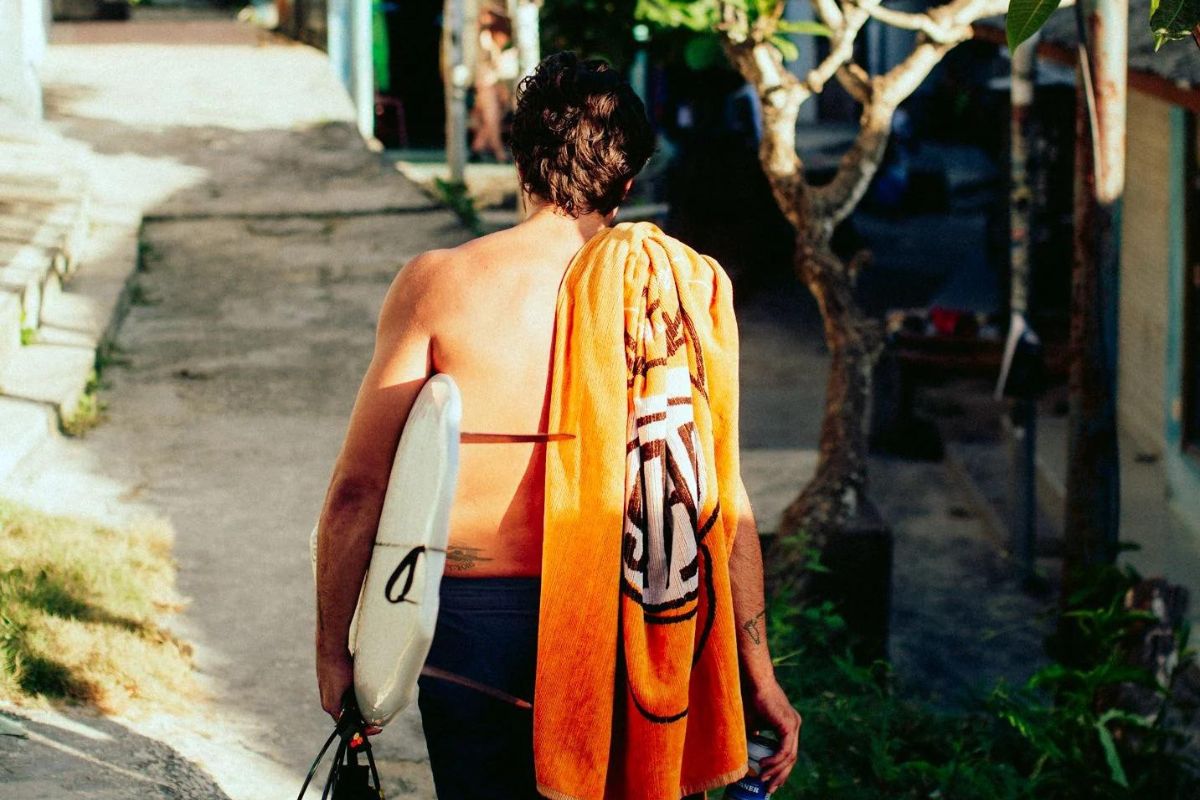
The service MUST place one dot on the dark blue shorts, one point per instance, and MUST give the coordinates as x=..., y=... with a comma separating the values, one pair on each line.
x=481, y=748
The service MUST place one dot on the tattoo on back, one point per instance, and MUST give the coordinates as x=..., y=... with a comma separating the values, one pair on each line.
x=752, y=626
x=461, y=559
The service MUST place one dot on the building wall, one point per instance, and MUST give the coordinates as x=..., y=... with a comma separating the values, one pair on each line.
x=1145, y=259
x=23, y=25
x=1182, y=468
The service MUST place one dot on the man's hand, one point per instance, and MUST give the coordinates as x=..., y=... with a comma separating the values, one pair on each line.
x=768, y=707
x=335, y=674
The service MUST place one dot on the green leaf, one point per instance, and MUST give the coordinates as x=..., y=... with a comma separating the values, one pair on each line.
x=804, y=27
x=695, y=16
x=786, y=46
x=1116, y=770
x=1173, y=19
x=1025, y=17
x=703, y=52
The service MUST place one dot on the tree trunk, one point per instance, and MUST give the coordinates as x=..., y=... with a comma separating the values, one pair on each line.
x=835, y=492
x=460, y=32
x=1093, y=469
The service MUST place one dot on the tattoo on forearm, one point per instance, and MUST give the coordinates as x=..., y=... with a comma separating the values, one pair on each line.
x=461, y=559
x=752, y=626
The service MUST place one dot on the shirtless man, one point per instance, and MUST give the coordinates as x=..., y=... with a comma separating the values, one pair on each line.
x=484, y=313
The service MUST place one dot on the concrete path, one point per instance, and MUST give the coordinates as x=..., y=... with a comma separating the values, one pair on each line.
x=271, y=236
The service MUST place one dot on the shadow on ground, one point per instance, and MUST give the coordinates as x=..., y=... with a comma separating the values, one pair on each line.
x=93, y=756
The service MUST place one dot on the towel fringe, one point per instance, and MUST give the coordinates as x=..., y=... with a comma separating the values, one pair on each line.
x=717, y=782
x=554, y=794
x=695, y=788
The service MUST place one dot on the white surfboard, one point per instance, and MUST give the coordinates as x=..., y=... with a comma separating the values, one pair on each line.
x=398, y=607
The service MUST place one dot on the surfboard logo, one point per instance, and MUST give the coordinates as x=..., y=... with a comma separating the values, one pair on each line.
x=405, y=571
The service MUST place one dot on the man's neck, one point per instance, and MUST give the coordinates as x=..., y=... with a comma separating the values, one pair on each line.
x=550, y=222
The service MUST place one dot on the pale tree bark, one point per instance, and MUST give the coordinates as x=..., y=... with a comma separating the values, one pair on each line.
x=525, y=16
x=835, y=493
x=460, y=34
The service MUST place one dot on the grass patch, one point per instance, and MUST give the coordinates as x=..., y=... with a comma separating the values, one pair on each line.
x=89, y=411
x=80, y=612
x=1055, y=738
x=457, y=198
x=28, y=332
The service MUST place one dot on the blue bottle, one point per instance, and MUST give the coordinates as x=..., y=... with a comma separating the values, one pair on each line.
x=750, y=787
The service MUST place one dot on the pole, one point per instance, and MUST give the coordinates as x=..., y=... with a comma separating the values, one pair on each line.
x=1093, y=472
x=525, y=34
x=362, y=66
x=1022, y=201
x=337, y=39
x=459, y=33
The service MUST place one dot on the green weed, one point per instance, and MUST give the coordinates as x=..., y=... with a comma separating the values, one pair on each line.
x=88, y=411
x=457, y=198
x=1053, y=738
x=28, y=332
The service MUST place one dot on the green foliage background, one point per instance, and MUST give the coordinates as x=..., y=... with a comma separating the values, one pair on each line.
x=1051, y=738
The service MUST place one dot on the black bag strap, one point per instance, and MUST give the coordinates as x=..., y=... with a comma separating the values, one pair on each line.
x=351, y=735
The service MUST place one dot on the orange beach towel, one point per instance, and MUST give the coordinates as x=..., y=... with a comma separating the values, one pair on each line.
x=637, y=694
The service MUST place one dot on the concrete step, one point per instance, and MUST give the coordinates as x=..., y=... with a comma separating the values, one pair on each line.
x=42, y=245
x=10, y=326
x=24, y=272
x=95, y=300
x=23, y=426
x=48, y=229
x=54, y=375
x=61, y=227
x=75, y=321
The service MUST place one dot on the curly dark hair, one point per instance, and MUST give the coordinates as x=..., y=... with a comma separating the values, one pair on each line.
x=578, y=133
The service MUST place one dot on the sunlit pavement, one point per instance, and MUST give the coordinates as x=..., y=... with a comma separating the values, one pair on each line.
x=271, y=235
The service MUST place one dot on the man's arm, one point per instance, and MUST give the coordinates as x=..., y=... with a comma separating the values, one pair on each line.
x=766, y=704
x=354, y=500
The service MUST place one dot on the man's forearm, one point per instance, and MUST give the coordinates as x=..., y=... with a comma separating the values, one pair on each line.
x=345, y=537
x=749, y=602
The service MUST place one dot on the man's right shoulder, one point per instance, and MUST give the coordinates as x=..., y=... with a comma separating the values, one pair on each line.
x=431, y=284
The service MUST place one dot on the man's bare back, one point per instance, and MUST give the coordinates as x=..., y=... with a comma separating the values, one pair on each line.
x=490, y=310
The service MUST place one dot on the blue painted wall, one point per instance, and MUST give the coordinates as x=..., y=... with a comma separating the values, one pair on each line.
x=1183, y=469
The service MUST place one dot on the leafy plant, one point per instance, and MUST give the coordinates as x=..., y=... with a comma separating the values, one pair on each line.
x=1173, y=19
x=88, y=411
x=1055, y=737
x=458, y=199
x=1169, y=19
x=705, y=16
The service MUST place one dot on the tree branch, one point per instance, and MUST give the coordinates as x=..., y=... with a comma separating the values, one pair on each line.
x=781, y=96
x=834, y=201
x=829, y=13
x=855, y=80
x=942, y=24
x=921, y=22
x=840, y=51
x=946, y=26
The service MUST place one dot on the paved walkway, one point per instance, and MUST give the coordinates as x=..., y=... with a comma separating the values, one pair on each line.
x=271, y=236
